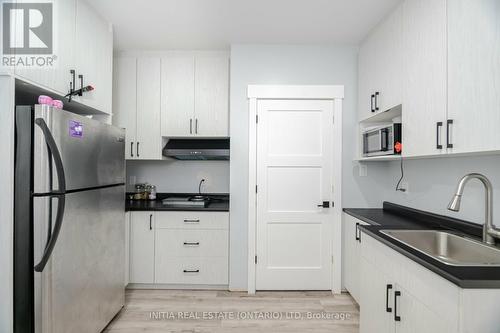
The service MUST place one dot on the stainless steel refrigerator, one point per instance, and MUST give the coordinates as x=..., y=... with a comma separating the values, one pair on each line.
x=69, y=232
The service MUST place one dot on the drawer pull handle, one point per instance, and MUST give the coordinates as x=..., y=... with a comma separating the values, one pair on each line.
x=191, y=221
x=387, y=308
x=396, y=316
x=191, y=271
x=191, y=243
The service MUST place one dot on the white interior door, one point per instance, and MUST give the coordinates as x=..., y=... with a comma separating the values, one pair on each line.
x=294, y=176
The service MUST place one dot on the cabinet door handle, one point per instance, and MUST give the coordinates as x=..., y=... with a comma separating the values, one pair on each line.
x=150, y=221
x=131, y=149
x=72, y=83
x=137, y=146
x=376, y=100
x=196, y=126
x=449, y=122
x=191, y=221
x=371, y=103
x=81, y=85
x=191, y=243
x=439, y=125
x=191, y=126
x=387, y=308
x=191, y=271
x=396, y=295
x=356, y=233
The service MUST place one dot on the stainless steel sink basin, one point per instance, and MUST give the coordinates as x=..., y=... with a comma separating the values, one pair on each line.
x=447, y=247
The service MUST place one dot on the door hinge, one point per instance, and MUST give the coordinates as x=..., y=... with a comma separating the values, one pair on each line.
x=256, y=260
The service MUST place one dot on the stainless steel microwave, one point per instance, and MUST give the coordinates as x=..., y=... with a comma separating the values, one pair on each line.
x=381, y=140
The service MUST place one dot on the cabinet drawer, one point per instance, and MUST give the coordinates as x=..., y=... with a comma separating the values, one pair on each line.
x=192, y=220
x=191, y=270
x=191, y=243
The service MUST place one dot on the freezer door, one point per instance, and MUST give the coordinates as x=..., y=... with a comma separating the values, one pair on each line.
x=93, y=153
x=81, y=288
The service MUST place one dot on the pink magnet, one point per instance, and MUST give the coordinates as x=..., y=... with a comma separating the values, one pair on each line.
x=43, y=99
x=58, y=104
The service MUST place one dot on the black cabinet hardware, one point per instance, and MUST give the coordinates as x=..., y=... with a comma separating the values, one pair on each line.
x=396, y=295
x=196, y=126
x=371, y=103
x=448, y=139
x=191, y=271
x=439, y=125
x=191, y=221
x=387, y=308
x=376, y=101
x=150, y=221
x=80, y=91
x=191, y=243
x=131, y=149
x=357, y=233
x=72, y=84
x=137, y=149
x=191, y=126
x=325, y=204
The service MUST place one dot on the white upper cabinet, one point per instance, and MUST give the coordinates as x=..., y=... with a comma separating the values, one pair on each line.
x=57, y=78
x=137, y=103
x=125, y=100
x=446, y=54
x=424, y=63
x=211, y=96
x=195, y=94
x=177, y=81
x=94, y=57
x=474, y=74
x=380, y=67
x=83, y=42
x=148, y=135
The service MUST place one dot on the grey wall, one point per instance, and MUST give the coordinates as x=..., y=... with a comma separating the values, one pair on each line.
x=432, y=183
x=180, y=176
x=290, y=64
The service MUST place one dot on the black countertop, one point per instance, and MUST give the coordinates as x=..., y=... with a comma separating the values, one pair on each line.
x=394, y=216
x=218, y=203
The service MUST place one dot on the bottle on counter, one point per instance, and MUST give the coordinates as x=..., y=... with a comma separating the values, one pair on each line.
x=140, y=192
x=151, y=192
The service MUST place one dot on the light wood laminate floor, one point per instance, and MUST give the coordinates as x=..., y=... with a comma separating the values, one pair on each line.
x=222, y=311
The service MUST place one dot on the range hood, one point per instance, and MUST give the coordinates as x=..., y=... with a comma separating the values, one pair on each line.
x=197, y=149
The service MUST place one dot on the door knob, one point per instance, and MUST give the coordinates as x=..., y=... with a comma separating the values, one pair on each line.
x=325, y=204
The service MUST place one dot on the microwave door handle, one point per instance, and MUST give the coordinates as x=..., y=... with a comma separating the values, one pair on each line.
x=59, y=194
x=384, y=139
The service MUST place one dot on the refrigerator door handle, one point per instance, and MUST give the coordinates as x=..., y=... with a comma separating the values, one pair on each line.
x=59, y=194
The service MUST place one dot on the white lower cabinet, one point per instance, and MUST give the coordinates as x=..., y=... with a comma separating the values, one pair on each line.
x=181, y=248
x=351, y=240
x=142, y=247
x=399, y=295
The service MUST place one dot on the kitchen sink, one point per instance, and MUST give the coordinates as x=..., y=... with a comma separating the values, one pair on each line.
x=447, y=247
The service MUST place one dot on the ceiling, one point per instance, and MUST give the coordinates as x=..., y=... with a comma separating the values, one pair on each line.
x=204, y=24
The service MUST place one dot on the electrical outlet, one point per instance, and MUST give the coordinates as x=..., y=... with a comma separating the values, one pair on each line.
x=363, y=170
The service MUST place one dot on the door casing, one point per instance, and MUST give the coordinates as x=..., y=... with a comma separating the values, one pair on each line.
x=308, y=92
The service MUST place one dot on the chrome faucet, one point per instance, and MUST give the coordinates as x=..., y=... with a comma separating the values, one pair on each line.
x=490, y=232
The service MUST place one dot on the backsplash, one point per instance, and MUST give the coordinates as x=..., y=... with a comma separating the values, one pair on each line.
x=432, y=183
x=180, y=176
